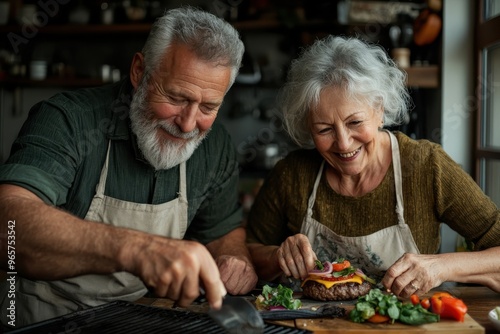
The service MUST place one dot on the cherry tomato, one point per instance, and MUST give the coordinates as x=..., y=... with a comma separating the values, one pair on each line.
x=415, y=300
x=426, y=303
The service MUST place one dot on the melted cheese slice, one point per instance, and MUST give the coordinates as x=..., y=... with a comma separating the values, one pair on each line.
x=329, y=284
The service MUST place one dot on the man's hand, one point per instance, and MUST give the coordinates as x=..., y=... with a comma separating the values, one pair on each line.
x=234, y=261
x=237, y=273
x=176, y=269
x=53, y=244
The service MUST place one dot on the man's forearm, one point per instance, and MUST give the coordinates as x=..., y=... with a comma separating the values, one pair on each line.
x=52, y=244
x=232, y=244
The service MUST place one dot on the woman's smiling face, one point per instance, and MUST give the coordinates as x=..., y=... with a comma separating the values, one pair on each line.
x=345, y=131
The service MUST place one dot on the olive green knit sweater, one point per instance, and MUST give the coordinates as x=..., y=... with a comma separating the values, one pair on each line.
x=435, y=190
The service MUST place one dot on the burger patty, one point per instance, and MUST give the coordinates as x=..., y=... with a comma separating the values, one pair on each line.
x=341, y=291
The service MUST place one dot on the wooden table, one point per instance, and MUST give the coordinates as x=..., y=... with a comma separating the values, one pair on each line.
x=479, y=300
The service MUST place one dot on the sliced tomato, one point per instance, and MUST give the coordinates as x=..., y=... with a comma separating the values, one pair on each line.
x=341, y=266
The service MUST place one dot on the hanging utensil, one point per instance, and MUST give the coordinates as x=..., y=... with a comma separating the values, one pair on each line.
x=395, y=35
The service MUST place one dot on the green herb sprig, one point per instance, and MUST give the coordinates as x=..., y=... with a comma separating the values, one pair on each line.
x=389, y=305
x=279, y=296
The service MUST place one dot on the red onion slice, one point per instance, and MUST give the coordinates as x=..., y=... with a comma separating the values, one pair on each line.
x=360, y=273
x=326, y=271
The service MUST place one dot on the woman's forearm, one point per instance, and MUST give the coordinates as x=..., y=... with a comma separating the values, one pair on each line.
x=478, y=267
x=265, y=261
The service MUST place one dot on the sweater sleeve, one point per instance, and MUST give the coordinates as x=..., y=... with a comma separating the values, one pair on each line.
x=462, y=205
x=281, y=203
x=265, y=219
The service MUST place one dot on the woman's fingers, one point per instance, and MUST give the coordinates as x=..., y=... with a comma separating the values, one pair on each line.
x=413, y=274
x=296, y=256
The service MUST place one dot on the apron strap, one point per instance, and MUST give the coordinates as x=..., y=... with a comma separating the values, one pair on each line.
x=398, y=179
x=182, y=183
x=312, y=198
x=99, y=191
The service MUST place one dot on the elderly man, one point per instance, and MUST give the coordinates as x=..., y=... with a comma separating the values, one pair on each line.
x=115, y=190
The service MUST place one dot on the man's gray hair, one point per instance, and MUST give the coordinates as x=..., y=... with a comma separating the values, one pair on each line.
x=211, y=38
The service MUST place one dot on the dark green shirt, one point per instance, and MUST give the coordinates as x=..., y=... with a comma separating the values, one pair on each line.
x=62, y=146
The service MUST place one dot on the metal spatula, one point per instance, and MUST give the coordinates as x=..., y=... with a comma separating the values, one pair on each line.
x=238, y=316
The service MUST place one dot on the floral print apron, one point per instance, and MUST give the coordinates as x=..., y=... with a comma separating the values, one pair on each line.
x=373, y=253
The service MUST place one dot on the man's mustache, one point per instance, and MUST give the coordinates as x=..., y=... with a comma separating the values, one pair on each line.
x=175, y=131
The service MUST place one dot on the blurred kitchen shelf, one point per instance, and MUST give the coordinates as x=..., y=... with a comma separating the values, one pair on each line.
x=423, y=76
x=79, y=29
x=125, y=28
x=82, y=29
x=270, y=24
x=418, y=76
x=51, y=82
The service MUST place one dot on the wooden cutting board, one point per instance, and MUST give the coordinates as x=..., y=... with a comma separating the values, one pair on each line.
x=344, y=325
x=334, y=326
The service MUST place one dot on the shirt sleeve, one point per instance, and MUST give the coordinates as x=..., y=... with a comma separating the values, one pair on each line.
x=42, y=160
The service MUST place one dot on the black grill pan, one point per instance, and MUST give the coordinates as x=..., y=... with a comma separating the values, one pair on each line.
x=124, y=317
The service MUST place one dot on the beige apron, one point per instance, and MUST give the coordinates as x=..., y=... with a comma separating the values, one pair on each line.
x=40, y=300
x=373, y=253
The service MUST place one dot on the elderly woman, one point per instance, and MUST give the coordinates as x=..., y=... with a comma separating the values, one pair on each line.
x=358, y=191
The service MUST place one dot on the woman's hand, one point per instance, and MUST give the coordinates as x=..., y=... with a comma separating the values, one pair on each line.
x=418, y=274
x=296, y=257
x=415, y=274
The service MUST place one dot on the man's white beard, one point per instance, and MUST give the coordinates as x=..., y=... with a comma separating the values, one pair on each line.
x=159, y=152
